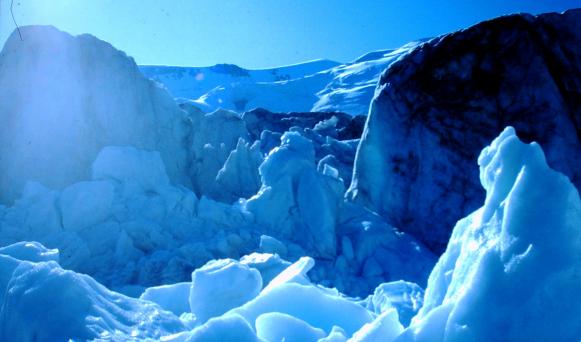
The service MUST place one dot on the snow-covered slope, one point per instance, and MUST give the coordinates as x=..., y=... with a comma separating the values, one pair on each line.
x=312, y=86
x=193, y=82
x=437, y=107
x=353, y=84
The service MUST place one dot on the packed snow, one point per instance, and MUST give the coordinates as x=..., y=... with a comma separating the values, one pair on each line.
x=186, y=225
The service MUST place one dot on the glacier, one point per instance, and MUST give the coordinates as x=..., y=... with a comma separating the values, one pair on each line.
x=136, y=216
x=128, y=214
x=527, y=232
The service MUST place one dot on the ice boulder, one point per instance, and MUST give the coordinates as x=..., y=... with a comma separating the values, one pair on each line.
x=219, y=329
x=269, y=265
x=129, y=164
x=33, y=217
x=174, y=298
x=295, y=273
x=276, y=326
x=511, y=269
x=407, y=298
x=63, y=98
x=386, y=327
x=222, y=285
x=85, y=204
x=296, y=202
x=318, y=307
x=438, y=106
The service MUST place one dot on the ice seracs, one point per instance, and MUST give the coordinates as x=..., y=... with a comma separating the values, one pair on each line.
x=527, y=232
x=295, y=200
x=239, y=177
x=511, y=269
x=130, y=228
x=217, y=134
x=238, y=229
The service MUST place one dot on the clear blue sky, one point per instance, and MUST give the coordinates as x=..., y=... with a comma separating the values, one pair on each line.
x=260, y=33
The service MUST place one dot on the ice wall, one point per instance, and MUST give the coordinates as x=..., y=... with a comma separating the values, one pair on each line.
x=439, y=105
x=63, y=98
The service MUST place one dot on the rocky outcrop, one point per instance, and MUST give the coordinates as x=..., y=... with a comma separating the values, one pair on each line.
x=438, y=106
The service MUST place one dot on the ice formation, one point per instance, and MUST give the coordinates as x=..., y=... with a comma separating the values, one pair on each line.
x=511, y=269
x=216, y=135
x=527, y=232
x=221, y=226
x=126, y=219
x=228, y=283
x=295, y=199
